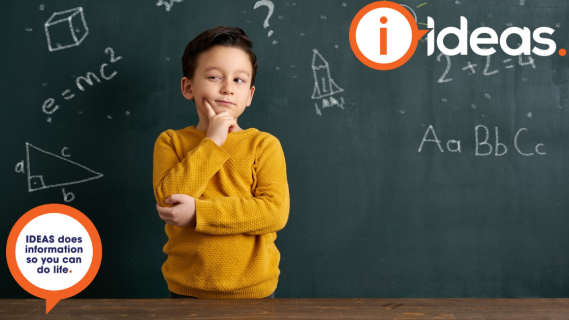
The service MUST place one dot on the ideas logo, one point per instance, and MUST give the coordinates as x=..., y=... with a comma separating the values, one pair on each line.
x=396, y=40
x=384, y=36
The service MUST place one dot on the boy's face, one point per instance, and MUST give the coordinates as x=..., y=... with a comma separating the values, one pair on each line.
x=222, y=74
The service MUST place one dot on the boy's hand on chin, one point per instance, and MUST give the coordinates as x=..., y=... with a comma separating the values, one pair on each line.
x=219, y=124
x=182, y=213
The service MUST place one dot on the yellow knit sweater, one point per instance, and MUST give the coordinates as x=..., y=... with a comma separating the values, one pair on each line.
x=242, y=200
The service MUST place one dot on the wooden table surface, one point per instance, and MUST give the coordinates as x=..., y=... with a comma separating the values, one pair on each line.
x=285, y=308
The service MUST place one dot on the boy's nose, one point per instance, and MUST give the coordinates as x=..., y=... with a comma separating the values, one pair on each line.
x=227, y=88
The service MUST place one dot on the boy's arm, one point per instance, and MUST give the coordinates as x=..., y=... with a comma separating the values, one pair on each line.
x=189, y=175
x=266, y=212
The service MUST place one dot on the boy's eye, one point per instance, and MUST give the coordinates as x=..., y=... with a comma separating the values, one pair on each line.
x=238, y=79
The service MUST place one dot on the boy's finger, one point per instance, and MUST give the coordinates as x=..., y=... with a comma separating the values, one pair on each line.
x=210, y=112
x=160, y=208
x=168, y=220
x=232, y=125
x=165, y=211
x=175, y=198
x=161, y=216
x=226, y=118
x=222, y=114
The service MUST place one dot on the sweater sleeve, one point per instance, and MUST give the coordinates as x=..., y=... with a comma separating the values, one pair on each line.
x=266, y=212
x=189, y=175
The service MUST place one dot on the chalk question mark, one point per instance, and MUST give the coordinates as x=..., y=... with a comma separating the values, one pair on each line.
x=271, y=6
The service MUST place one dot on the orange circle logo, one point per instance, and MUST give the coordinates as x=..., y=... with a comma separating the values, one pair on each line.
x=54, y=252
x=384, y=35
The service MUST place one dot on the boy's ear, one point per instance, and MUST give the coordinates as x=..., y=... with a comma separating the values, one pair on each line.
x=251, y=92
x=187, y=91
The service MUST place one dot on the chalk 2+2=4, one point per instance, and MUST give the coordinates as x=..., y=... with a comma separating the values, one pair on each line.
x=486, y=72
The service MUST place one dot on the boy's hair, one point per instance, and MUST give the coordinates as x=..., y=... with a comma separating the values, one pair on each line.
x=222, y=36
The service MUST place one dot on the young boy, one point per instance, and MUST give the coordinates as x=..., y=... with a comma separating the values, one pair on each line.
x=222, y=190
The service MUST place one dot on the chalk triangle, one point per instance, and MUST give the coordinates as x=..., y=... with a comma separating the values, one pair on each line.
x=48, y=170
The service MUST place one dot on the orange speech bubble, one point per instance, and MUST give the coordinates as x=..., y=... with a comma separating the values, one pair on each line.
x=54, y=296
x=416, y=35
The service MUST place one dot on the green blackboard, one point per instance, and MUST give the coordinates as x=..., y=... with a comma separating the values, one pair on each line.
x=377, y=210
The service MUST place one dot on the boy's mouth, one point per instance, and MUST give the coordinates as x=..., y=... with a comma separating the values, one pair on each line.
x=225, y=103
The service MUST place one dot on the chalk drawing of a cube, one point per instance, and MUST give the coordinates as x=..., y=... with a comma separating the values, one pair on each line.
x=66, y=29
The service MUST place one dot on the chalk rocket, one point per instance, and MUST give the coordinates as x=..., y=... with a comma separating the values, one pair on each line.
x=324, y=85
